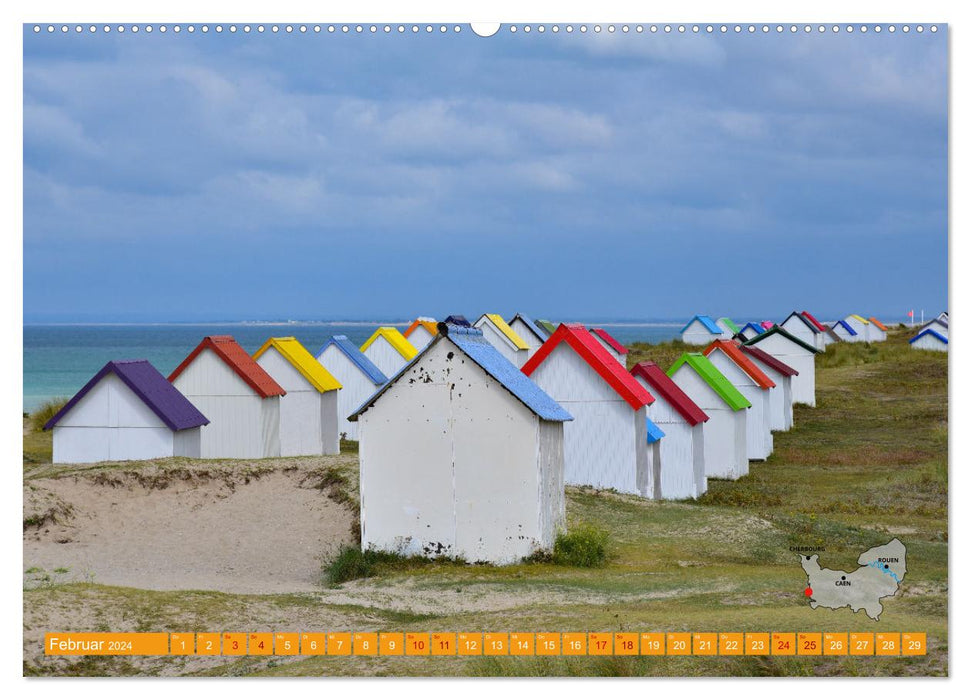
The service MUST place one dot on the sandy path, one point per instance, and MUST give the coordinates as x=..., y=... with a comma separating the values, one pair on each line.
x=266, y=536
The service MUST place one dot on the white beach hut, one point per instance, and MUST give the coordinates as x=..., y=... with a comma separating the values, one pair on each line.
x=799, y=326
x=240, y=399
x=606, y=444
x=798, y=354
x=308, y=411
x=937, y=325
x=358, y=376
x=611, y=345
x=878, y=331
x=388, y=350
x=726, y=453
x=127, y=411
x=846, y=332
x=728, y=327
x=530, y=331
x=749, y=331
x=682, y=451
x=700, y=330
x=421, y=331
x=497, y=332
x=928, y=339
x=461, y=455
x=780, y=396
x=754, y=385
x=861, y=326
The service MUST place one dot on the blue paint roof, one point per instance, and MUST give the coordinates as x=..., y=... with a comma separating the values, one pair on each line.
x=472, y=343
x=847, y=327
x=148, y=384
x=654, y=433
x=540, y=333
x=754, y=326
x=458, y=320
x=353, y=354
x=706, y=321
x=929, y=331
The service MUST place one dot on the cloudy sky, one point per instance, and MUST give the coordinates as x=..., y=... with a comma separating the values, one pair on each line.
x=234, y=177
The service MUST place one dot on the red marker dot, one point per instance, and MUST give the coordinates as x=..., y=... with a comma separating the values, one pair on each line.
x=809, y=592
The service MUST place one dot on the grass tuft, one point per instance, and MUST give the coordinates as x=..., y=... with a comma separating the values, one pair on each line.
x=585, y=546
x=45, y=412
x=352, y=563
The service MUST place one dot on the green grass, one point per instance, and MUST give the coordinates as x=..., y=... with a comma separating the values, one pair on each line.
x=45, y=412
x=585, y=545
x=869, y=463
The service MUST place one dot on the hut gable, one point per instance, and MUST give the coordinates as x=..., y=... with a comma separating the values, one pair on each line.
x=150, y=388
x=706, y=322
x=297, y=356
x=389, y=350
x=929, y=339
x=507, y=341
x=232, y=355
x=877, y=323
x=731, y=350
x=663, y=387
x=608, y=341
x=596, y=356
x=814, y=321
x=527, y=329
x=702, y=366
x=343, y=345
x=767, y=359
x=421, y=331
x=547, y=326
x=780, y=332
x=796, y=320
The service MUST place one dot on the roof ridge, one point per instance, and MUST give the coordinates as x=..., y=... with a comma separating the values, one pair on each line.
x=293, y=351
x=730, y=348
x=664, y=386
x=245, y=367
x=358, y=358
x=713, y=378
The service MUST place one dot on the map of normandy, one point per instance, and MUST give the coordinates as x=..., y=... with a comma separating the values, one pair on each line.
x=881, y=571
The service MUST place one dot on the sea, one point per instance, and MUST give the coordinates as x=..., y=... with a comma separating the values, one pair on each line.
x=60, y=359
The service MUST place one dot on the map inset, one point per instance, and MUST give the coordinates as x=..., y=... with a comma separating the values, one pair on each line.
x=881, y=571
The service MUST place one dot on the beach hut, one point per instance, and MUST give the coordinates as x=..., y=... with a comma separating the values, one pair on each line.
x=457, y=320
x=308, y=410
x=824, y=338
x=766, y=325
x=798, y=354
x=547, y=326
x=497, y=332
x=728, y=327
x=941, y=327
x=878, y=331
x=461, y=455
x=861, y=326
x=927, y=339
x=798, y=325
x=529, y=331
x=845, y=332
x=682, y=451
x=421, y=331
x=831, y=335
x=358, y=376
x=754, y=385
x=127, y=411
x=726, y=454
x=942, y=316
x=606, y=444
x=780, y=396
x=389, y=350
x=241, y=400
x=611, y=345
x=700, y=330
x=749, y=331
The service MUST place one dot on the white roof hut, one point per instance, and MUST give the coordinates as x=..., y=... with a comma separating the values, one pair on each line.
x=498, y=333
x=308, y=411
x=606, y=444
x=421, y=331
x=700, y=330
x=682, y=451
x=799, y=325
x=798, y=354
x=461, y=455
x=358, y=376
x=388, y=350
x=936, y=324
x=754, y=385
x=127, y=411
x=530, y=331
x=726, y=454
x=780, y=396
x=240, y=399
x=928, y=339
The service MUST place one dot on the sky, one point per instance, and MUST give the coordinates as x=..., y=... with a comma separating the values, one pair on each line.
x=204, y=177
